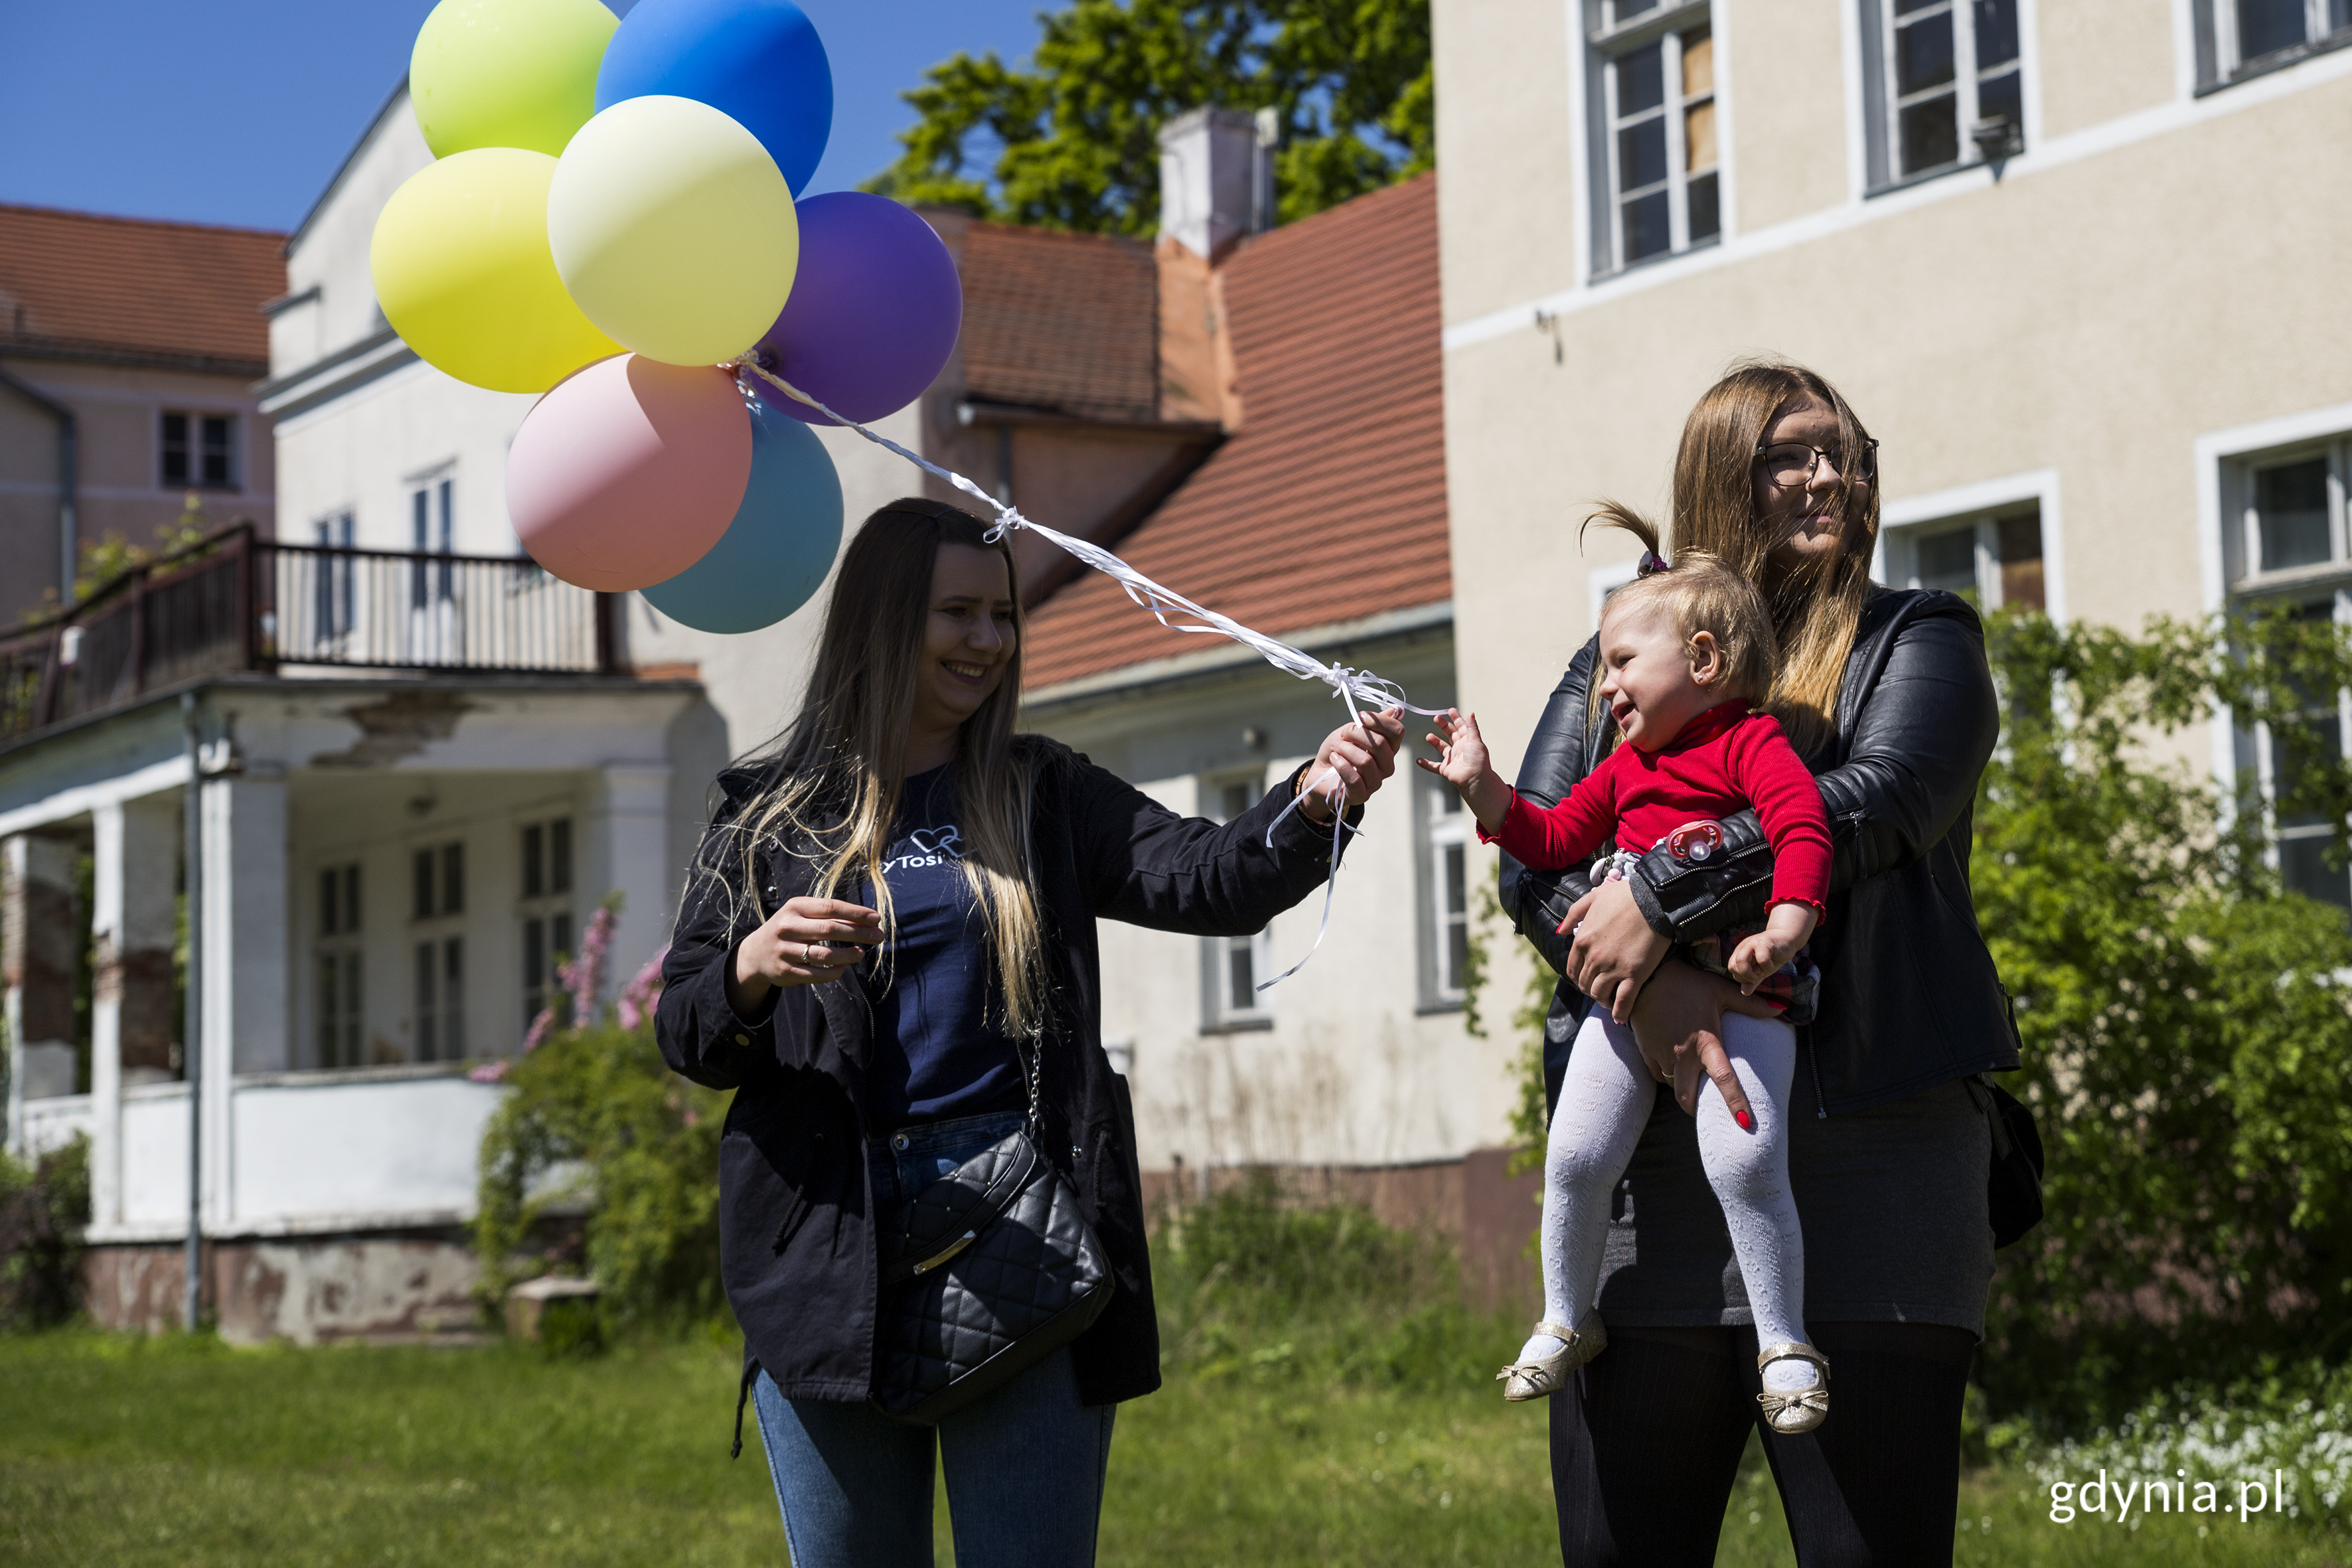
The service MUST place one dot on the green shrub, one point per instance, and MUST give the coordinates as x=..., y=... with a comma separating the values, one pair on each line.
x=1253, y=1284
x=598, y=1125
x=2186, y=1041
x=43, y=1208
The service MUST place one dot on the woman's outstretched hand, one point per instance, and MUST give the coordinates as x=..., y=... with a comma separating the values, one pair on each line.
x=1362, y=752
x=1679, y=1023
x=1613, y=949
x=806, y=942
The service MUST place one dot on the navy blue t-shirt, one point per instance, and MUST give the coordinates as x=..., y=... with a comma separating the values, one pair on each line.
x=936, y=1055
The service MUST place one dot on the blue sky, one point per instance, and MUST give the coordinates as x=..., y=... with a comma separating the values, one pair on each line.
x=238, y=112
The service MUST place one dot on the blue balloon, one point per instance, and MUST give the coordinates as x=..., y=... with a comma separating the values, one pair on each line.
x=774, y=556
x=757, y=61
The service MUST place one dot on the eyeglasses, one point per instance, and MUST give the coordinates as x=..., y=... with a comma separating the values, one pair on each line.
x=1791, y=463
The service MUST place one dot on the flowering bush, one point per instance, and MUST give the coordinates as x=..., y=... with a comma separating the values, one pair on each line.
x=598, y=1126
x=2250, y=1432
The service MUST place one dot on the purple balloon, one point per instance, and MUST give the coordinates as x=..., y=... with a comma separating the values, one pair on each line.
x=874, y=311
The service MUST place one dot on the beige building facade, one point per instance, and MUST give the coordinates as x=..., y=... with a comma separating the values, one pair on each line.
x=2082, y=268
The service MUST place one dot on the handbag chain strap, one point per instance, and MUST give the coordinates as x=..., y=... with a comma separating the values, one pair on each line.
x=1036, y=1074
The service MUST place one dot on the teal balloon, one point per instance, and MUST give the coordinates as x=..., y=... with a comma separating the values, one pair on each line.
x=774, y=556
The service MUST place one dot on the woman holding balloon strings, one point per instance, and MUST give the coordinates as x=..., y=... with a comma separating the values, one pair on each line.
x=891, y=921
x=1886, y=697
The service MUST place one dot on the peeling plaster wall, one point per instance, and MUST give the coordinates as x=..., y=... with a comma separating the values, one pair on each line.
x=312, y=1291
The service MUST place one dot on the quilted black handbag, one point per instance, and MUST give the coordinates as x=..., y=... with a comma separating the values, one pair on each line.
x=991, y=1268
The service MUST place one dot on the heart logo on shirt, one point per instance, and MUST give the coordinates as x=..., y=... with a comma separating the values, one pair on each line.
x=937, y=841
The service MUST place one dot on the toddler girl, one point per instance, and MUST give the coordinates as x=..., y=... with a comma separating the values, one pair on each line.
x=1685, y=651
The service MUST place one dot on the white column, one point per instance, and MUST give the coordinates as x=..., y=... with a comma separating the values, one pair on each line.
x=245, y=996
x=106, y=1015
x=627, y=847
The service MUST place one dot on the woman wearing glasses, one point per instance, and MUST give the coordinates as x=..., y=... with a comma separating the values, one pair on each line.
x=1886, y=697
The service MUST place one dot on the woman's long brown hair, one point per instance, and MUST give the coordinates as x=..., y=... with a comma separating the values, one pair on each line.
x=1817, y=605
x=830, y=782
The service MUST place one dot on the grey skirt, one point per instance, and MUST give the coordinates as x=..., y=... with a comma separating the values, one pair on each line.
x=1892, y=1200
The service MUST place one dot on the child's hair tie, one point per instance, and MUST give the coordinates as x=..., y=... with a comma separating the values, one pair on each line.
x=1651, y=561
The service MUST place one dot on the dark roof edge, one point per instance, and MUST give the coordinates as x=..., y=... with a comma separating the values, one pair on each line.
x=67, y=349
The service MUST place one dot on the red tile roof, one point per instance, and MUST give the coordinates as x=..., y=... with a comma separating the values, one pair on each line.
x=1329, y=504
x=1067, y=322
x=79, y=286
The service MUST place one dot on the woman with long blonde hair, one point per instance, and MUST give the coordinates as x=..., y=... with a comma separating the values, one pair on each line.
x=887, y=948
x=1886, y=697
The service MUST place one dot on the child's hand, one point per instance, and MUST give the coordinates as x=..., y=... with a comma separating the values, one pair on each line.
x=1786, y=930
x=1463, y=764
x=1461, y=750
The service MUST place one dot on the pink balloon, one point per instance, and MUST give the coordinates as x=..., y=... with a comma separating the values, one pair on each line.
x=628, y=472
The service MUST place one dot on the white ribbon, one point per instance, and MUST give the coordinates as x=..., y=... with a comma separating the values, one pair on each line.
x=1359, y=690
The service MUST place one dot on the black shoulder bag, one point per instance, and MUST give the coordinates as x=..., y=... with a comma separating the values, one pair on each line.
x=991, y=1268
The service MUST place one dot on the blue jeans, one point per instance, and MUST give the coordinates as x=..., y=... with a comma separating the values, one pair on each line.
x=1024, y=1462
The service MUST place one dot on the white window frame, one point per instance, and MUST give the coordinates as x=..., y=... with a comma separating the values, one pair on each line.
x=438, y=1023
x=334, y=592
x=338, y=939
x=1983, y=504
x=549, y=913
x=2228, y=466
x=1440, y=833
x=1219, y=1014
x=1604, y=40
x=233, y=452
x=1882, y=109
x=2220, y=61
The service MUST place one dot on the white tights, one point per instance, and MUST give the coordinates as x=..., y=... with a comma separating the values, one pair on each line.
x=1604, y=1098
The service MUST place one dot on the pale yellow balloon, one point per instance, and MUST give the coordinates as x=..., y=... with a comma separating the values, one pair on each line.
x=673, y=229
x=507, y=73
x=463, y=271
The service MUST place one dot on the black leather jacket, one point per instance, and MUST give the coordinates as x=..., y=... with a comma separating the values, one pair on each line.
x=797, y=1242
x=1909, y=997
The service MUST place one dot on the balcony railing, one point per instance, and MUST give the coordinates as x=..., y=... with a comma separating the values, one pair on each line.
x=240, y=603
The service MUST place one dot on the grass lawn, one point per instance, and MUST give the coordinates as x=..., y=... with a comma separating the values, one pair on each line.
x=125, y=1452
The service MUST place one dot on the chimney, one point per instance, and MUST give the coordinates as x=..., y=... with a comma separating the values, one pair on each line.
x=1216, y=177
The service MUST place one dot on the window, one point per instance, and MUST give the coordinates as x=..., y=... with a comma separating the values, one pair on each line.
x=196, y=449
x=436, y=909
x=1949, y=90
x=1232, y=966
x=334, y=592
x=2289, y=545
x=432, y=529
x=545, y=906
x=1651, y=85
x=339, y=1002
x=2239, y=39
x=1445, y=894
x=1992, y=559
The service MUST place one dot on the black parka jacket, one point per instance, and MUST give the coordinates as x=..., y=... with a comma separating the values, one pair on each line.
x=1909, y=997
x=797, y=1226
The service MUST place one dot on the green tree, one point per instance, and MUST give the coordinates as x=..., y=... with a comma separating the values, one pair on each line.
x=1072, y=144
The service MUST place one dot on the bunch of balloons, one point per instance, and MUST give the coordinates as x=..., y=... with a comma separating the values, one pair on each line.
x=612, y=219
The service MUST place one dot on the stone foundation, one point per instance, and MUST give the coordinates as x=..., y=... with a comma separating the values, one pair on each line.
x=385, y=1288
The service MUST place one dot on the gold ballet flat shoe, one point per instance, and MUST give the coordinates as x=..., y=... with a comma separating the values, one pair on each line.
x=1541, y=1379
x=1803, y=1409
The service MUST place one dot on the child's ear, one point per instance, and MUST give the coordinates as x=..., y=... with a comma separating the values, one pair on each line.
x=1705, y=658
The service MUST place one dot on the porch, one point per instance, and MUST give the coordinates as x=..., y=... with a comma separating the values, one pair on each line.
x=394, y=855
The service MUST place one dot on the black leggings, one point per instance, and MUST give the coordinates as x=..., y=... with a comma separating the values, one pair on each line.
x=1647, y=1445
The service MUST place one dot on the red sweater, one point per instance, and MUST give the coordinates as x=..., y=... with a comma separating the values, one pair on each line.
x=1725, y=760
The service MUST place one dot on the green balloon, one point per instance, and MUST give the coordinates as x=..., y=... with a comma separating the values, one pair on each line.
x=507, y=73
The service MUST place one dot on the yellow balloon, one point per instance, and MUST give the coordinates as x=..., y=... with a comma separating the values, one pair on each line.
x=463, y=273
x=673, y=229
x=507, y=73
